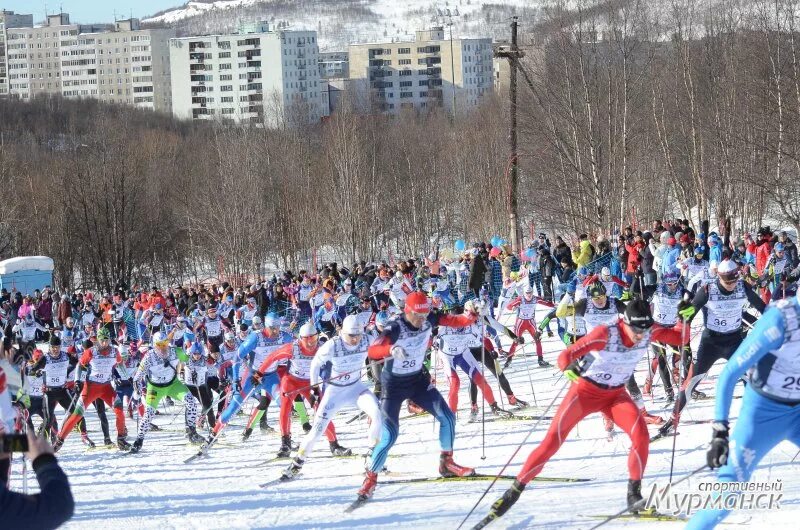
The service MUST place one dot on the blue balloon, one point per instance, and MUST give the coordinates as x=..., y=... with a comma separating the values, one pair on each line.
x=496, y=241
x=460, y=245
x=529, y=252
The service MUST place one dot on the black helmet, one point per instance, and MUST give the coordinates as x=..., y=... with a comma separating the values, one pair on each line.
x=596, y=289
x=637, y=315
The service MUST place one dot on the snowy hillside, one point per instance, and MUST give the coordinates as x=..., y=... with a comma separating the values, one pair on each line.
x=156, y=490
x=340, y=22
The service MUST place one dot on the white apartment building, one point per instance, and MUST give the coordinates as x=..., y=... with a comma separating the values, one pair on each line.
x=334, y=65
x=429, y=72
x=259, y=75
x=8, y=19
x=118, y=64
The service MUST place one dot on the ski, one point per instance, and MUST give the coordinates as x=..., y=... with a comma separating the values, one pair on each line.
x=356, y=504
x=282, y=478
x=203, y=451
x=645, y=516
x=480, y=476
x=483, y=523
x=659, y=436
x=102, y=447
x=272, y=460
x=357, y=417
x=516, y=417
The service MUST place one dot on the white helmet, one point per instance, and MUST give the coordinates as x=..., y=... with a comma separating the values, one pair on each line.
x=159, y=339
x=605, y=272
x=308, y=329
x=352, y=326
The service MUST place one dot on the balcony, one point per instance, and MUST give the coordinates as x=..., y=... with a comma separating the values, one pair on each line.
x=301, y=54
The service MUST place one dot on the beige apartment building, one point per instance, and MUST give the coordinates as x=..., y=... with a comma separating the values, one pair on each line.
x=117, y=64
x=261, y=75
x=8, y=19
x=430, y=71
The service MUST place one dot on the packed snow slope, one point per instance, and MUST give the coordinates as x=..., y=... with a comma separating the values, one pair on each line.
x=155, y=489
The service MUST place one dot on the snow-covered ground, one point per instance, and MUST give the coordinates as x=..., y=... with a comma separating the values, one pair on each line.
x=354, y=21
x=155, y=489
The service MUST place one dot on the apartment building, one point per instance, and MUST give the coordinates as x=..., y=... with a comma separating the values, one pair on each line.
x=261, y=74
x=119, y=63
x=8, y=19
x=430, y=71
x=334, y=65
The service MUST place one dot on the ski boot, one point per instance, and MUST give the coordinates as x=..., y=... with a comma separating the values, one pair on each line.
x=497, y=411
x=87, y=441
x=473, y=412
x=338, y=450
x=665, y=429
x=368, y=486
x=107, y=441
x=246, y=434
x=306, y=427
x=137, y=445
x=696, y=394
x=508, y=362
x=194, y=437
x=58, y=443
x=502, y=505
x=293, y=470
x=543, y=363
x=635, y=500
x=169, y=402
x=514, y=400
x=263, y=425
x=286, y=446
x=670, y=395
x=122, y=443
x=154, y=427
x=651, y=419
x=448, y=467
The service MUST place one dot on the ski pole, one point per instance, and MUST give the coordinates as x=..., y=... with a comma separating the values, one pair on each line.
x=483, y=401
x=675, y=438
x=626, y=510
x=346, y=374
x=514, y=454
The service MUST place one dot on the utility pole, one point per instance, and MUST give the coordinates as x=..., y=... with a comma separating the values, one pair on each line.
x=512, y=53
x=450, y=14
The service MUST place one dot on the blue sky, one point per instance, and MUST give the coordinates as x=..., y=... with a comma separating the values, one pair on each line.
x=84, y=11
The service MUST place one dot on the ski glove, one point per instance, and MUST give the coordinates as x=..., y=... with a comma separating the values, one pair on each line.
x=717, y=455
x=398, y=353
x=571, y=375
x=255, y=379
x=687, y=313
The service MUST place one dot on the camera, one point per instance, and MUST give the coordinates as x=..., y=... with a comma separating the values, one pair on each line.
x=13, y=443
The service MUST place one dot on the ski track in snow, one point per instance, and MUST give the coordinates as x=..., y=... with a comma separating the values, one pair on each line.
x=156, y=490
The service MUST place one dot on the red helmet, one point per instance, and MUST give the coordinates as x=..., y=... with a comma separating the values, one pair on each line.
x=418, y=303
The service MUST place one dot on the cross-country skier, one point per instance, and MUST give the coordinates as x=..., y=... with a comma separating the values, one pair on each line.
x=455, y=343
x=159, y=368
x=100, y=360
x=525, y=307
x=599, y=365
x=770, y=411
x=300, y=355
x=723, y=303
x=344, y=355
x=406, y=341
